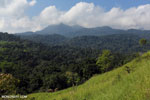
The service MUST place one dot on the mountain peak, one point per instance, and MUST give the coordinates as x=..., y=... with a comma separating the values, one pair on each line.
x=62, y=24
x=105, y=27
x=58, y=25
x=58, y=29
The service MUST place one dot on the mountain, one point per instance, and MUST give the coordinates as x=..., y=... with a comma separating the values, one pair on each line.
x=129, y=82
x=99, y=37
x=59, y=29
x=25, y=33
x=98, y=31
x=73, y=31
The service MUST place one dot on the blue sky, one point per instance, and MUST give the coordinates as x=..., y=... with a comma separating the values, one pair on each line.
x=67, y=4
x=34, y=15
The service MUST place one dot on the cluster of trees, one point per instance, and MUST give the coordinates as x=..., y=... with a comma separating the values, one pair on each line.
x=38, y=67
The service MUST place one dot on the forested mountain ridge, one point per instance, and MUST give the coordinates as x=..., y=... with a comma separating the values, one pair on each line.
x=53, y=39
x=73, y=31
x=8, y=37
x=125, y=43
x=99, y=38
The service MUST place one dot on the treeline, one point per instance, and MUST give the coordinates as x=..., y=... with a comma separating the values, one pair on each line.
x=39, y=67
x=123, y=43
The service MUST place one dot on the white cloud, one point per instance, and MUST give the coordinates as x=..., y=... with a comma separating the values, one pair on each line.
x=50, y=15
x=89, y=15
x=12, y=16
x=84, y=14
x=13, y=19
x=12, y=7
x=2, y=21
x=32, y=3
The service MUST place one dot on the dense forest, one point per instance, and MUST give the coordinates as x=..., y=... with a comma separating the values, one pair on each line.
x=123, y=43
x=37, y=66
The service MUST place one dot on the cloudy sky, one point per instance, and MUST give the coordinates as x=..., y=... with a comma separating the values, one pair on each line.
x=33, y=15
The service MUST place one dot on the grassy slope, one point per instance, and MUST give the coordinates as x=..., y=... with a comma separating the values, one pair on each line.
x=114, y=85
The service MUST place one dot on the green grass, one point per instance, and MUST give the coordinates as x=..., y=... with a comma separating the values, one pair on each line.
x=114, y=85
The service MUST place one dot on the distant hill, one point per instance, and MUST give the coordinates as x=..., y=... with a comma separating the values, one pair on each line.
x=98, y=31
x=130, y=82
x=50, y=39
x=61, y=29
x=73, y=31
x=116, y=42
x=8, y=37
x=25, y=33
x=96, y=38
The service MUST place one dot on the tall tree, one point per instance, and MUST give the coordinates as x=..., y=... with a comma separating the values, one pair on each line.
x=142, y=41
x=105, y=61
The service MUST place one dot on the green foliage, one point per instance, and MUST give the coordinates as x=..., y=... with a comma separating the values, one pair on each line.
x=8, y=84
x=114, y=85
x=142, y=41
x=105, y=61
x=72, y=78
x=55, y=81
x=6, y=67
x=89, y=68
x=122, y=42
x=53, y=39
x=40, y=67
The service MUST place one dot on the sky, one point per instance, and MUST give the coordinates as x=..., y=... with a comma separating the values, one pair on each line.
x=33, y=15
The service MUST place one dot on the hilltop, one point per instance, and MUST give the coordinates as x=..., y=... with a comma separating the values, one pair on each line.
x=129, y=82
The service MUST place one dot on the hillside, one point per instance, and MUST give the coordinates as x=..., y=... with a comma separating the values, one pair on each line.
x=129, y=82
x=37, y=65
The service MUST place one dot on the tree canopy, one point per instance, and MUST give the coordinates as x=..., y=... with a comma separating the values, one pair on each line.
x=142, y=42
x=8, y=84
x=105, y=61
